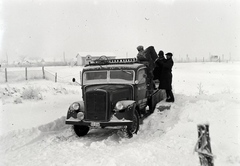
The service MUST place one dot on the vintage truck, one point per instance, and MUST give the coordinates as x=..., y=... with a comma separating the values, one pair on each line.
x=115, y=94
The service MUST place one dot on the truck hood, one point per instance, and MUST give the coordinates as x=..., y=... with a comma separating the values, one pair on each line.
x=100, y=100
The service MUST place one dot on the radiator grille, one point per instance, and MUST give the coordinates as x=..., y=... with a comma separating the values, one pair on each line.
x=96, y=106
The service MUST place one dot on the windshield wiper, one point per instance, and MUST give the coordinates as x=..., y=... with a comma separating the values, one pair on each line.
x=125, y=71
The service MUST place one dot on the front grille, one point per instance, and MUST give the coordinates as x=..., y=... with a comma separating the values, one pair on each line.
x=96, y=105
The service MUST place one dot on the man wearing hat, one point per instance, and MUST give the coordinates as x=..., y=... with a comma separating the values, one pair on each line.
x=166, y=76
x=147, y=57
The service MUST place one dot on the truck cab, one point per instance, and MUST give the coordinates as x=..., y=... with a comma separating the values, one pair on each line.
x=115, y=94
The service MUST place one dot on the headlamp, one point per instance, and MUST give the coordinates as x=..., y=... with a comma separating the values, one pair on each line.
x=119, y=106
x=75, y=106
x=80, y=115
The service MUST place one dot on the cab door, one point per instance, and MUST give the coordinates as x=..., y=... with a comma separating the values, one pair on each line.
x=141, y=94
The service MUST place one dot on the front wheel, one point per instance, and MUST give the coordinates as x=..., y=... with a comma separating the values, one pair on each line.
x=133, y=129
x=80, y=130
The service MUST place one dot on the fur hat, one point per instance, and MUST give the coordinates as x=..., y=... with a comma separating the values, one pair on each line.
x=161, y=54
x=140, y=48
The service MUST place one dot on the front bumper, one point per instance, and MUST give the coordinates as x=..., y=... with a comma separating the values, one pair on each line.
x=111, y=123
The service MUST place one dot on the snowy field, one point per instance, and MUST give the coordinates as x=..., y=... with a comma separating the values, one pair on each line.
x=33, y=131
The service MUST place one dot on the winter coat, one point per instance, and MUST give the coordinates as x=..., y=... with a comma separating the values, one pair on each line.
x=157, y=72
x=165, y=78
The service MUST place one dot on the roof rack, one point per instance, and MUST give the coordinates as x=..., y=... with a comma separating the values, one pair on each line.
x=125, y=60
x=106, y=61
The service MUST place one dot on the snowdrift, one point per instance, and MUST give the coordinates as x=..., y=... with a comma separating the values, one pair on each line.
x=165, y=138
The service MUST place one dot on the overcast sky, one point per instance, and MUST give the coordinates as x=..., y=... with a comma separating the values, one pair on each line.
x=51, y=28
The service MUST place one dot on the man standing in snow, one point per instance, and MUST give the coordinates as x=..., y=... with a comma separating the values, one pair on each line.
x=166, y=76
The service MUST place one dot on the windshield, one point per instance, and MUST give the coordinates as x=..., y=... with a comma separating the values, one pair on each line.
x=113, y=76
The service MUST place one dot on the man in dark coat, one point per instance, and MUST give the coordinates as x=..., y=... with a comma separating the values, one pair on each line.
x=166, y=76
x=157, y=72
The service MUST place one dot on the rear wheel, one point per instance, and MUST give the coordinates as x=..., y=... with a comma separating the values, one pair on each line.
x=133, y=129
x=80, y=130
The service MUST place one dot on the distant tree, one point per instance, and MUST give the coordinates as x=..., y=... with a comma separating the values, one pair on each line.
x=37, y=59
x=22, y=58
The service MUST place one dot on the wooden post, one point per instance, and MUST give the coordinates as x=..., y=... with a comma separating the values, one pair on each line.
x=203, y=146
x=6, y=75
x=26, y=72
x=80, y=77
x=43, y=72
x=55, y=77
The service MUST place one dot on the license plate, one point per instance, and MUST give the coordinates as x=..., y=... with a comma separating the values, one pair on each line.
x=95, y=124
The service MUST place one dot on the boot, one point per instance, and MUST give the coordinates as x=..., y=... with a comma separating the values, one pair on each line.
x=167, y=94
x=170, y=96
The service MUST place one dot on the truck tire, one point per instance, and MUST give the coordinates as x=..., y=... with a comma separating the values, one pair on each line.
x=81, y=130
x=133, y=129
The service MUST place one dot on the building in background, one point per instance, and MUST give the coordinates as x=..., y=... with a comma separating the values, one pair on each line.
x=84, y=58
x=214, y=58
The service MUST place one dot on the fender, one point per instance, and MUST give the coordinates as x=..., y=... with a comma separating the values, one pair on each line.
x=128, y=111
x=73, y=113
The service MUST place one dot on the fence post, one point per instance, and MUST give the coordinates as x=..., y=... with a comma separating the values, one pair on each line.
x=43, y=72
x=26, y=72
x=6, y=75
x=203, y=146
x=80, y=77
x=55, y=77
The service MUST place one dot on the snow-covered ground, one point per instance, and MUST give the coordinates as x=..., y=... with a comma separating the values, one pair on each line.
x=33, y=131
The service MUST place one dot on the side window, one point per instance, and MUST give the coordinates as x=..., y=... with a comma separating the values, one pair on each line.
x=141, y=76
